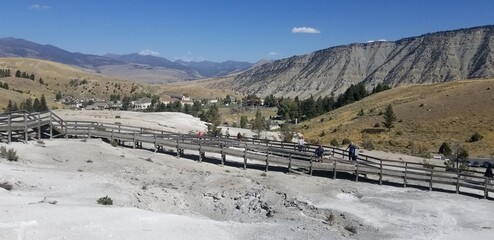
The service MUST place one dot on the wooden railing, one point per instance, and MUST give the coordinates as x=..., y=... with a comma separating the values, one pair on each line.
x=260, y=151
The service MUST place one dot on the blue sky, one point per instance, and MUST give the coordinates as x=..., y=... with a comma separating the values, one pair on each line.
x=220, y=30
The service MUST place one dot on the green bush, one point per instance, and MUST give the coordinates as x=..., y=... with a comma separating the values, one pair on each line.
x=334, y=142
x=114, y=143
x=377, y=125
x=445, y=149
x=105, y=201
x=9, y=154
x=322, y=134
x=346, y=141
x=368, y=144
x=476, y=137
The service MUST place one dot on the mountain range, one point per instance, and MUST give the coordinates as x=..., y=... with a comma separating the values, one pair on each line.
x=429, y=58
x=137, y=67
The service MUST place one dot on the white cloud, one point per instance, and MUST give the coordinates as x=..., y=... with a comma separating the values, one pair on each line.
x=190, y=58
x=273, y=53
x=39, y=7
x=305, y=30
x=149, y=52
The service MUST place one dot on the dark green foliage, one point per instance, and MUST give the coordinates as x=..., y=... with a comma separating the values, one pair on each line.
x=368, y=144
x=259, y=123
x=4, y=73
x=270, y=101
x=10, y=154
x=214, y=117
x=360, y=113
x=227, y=99
x=389, y=117
x=286, y=132
x=322, y=134
x=251, y=100
x=105, y=201
x=334, y=142
x=58, y=96
x=243, y=121
x=445, y=149
x=18, y=73
x=346, y=141
x=476, y=137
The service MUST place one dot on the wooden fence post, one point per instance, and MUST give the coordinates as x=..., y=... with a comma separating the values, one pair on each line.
x=334, y=169
x=245, y=156
x=155, y=144
x=10, y=128
x=178, y=143
x=200, y=152
x=223, y=156
x=457, y=180
x=310, y=168
x=51, y=125
x=134, y=140
x=89, y=131
x=430, y=180
x=25, y=127
x=290, y=163
x=405, y=179
x=76, y=132
x=487, y=182
x=381, y=172
x=39, y=126
x=356, y=173
x=111, y=137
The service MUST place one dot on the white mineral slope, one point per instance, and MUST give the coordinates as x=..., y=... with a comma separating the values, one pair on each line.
x=159, y=196
x=166, y=121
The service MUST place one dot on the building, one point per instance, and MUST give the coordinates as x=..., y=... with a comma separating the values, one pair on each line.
x=142, y=104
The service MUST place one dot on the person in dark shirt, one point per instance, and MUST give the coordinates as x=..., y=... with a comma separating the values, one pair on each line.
x=319, y=153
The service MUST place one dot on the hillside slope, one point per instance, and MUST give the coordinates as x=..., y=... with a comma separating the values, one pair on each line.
x=430, y=58
x=427, y=116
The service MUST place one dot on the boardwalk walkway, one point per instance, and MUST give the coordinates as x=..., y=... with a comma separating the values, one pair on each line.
x=23, y=126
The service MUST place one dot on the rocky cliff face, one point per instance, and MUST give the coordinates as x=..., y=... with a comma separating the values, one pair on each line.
x=430, y=58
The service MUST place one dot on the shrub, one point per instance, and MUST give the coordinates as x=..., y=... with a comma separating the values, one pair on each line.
x=334, y=142
x=351, y=228
x=445, y=149
x=368, y=144
x=321, y=120
x=118, y=116
x=377, y=125
x=476, y=137
x=114, y=143
x=9, y=154
x=330, y=219
x=322, y=134
x=360, y=113
x=3, y=152
x=6, y=185
x=346, y=141
x=105, y=201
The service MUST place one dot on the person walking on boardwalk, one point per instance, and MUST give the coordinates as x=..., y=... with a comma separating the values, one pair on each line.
x=319, y=153
x=300, y=144
x=351, y=150
x=239, y=136
x=488, y=174
x=228, y=133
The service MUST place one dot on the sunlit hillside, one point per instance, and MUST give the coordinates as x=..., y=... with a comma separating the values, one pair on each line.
x=427, y=115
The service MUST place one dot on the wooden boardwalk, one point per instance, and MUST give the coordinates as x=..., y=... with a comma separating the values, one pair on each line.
x=22, y=126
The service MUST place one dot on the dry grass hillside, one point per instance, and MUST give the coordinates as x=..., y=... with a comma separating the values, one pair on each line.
x=205, y=88
x=82, y=83
x=59, y=77
x=427, y=116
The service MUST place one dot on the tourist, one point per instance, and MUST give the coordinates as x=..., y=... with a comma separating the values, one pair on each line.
x=228, y=132
x=239, y=136
x=351, y=150
x=300, y=144
x=319, y=153
x=200, y=134
x=488, y=174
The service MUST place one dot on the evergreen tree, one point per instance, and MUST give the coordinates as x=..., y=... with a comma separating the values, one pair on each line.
x=213, y=116
x=31, y=77
x=36, y=105
x=18, y=73
x=445, y=149
x=58, y=96
x=10, y=106
x=259, y=123
x=15, y=107
x=43, y=104
x=227, y=100
x=389, y=117
x=243, y=121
